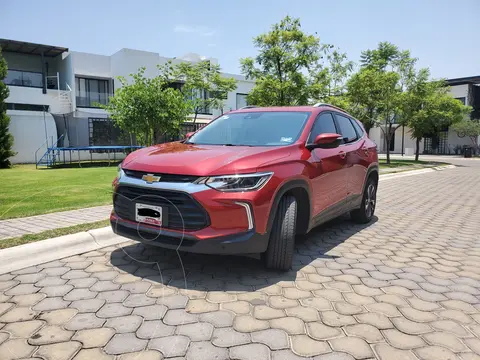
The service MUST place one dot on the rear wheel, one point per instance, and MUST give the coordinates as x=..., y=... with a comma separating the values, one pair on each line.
x=365, y=213
x=279, y=254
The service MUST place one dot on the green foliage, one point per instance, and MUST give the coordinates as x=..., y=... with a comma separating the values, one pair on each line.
x=148, y=107
x=470, y=128
x=203, y=77
x=287, y=69
x=427, y=107
x=6, y=139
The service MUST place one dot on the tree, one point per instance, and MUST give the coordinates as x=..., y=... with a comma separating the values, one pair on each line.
x=287, y=69
x=427, y=107
x=375, y=92
x=6, y=139
x=148, y=107
x=204, y=86
x=470, y=128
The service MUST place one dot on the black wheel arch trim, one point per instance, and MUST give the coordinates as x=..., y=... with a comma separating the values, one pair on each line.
x=372, y=169
x=290, y=185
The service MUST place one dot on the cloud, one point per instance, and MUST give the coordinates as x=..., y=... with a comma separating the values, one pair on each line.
x=200, y=30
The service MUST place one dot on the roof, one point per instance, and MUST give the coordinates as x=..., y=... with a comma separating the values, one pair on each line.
x=464, y=80
x=31, y=48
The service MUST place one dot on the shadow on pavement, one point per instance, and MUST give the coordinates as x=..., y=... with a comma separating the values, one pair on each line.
x=229, y=273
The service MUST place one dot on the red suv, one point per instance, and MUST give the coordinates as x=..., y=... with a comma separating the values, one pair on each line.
x=248, y=182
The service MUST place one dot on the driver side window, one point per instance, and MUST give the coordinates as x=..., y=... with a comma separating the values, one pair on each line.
x=323, y=124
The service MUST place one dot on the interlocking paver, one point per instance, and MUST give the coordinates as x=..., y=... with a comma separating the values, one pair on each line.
x=125, y=343
x=434, y=353
x=142, y=355
x=250, y=352
x=406, y=284
x=170, y=346
x=27, y=300
x=18, y=314
x=60, y=351
x=93, y=338
x=354, y=346
x=14, y=349
x=50, y=335
x=387, y=352
x=23, y=329
x=52, y=303
x=84, y=321
x=367, y=332
x=153, y=329
x=401, y=340
x=124, y=324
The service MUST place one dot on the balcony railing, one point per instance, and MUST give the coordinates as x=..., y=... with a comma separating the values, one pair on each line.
x=92, y=99
x=24, y=78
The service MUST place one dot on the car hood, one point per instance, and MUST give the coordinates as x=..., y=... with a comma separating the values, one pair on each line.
x=202, y=160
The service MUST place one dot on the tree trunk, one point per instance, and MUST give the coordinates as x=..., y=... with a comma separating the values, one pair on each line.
x=417, y=148
x=195, y=117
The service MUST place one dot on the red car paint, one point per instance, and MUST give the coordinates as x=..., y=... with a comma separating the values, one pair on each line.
x=334, y=178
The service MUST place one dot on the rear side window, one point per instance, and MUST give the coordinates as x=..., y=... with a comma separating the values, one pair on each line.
x=357, y=127
x=323, y=124
x=346, y=129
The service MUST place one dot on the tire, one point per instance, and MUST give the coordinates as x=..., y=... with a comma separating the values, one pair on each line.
x=364, y=214
x=279, y=254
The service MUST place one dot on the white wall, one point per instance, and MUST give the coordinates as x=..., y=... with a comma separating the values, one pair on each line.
x=27, y=95
x=30, y=130
x=94, y=65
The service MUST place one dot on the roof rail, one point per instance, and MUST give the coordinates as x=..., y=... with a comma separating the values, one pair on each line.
x=329, y=105
x=248, y=107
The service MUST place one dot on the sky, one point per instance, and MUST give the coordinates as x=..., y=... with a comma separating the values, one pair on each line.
x=442, y=34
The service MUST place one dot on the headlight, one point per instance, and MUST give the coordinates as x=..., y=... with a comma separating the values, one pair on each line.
x=119, y=171
x=243, y=182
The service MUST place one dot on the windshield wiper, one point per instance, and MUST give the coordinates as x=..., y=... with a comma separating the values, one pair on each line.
x=237, y=145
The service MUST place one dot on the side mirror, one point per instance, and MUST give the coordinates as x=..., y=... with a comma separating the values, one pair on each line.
x=189, y=135
x=326, y=141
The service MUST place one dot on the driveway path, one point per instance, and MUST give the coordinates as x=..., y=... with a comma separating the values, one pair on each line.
x=35, y=224
x=406, y=286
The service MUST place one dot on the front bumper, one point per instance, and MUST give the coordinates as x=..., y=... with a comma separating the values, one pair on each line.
x=245, y=242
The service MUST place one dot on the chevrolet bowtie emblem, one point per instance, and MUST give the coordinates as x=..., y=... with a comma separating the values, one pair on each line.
x=150, y=178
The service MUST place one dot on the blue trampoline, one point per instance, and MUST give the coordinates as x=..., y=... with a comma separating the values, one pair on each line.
x=53, y=155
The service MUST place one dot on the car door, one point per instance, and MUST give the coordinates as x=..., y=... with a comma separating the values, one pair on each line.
x=352, y=147
x=327, y=175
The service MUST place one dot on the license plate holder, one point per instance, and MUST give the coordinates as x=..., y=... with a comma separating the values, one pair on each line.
x=150, y=214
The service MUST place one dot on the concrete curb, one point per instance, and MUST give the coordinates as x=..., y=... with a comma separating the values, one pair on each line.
x=415, y=172
x=40, y=252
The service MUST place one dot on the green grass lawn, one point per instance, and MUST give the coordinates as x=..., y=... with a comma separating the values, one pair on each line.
x=26, y=191
x=399, y=163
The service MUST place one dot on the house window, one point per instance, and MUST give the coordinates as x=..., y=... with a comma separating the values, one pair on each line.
x=461, y=99
x=23, y=78
x=241, y=100
x=27, y=107
x=91, y=92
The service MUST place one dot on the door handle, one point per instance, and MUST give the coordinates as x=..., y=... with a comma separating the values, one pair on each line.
x=342, y=154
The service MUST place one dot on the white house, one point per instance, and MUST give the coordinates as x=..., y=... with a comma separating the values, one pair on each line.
x=466, y=90
x=54, y=92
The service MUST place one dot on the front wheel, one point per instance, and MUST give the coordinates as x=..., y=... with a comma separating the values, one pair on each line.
x=279, y=254
x=365, y=213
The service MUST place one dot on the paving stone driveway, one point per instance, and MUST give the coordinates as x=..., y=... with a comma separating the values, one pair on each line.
x=405, y=287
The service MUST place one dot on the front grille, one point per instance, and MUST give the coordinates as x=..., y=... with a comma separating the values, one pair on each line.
x=176, y=205
x=163, y=177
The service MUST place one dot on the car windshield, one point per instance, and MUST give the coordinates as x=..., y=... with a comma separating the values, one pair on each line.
x=266, y=128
